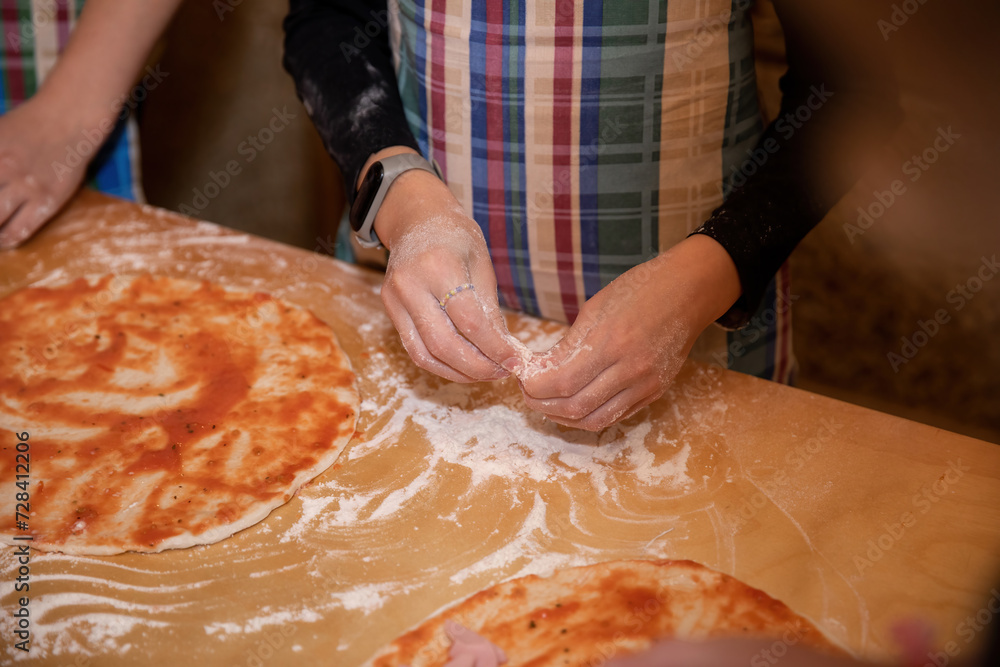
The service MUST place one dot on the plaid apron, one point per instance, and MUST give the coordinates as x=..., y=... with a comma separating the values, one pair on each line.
x=585, y=137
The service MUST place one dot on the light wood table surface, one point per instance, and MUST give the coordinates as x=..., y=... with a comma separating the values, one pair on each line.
x=852, y=517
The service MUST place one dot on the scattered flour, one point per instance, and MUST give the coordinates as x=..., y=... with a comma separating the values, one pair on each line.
x=266, y=618
x=524, y=546
x=499, y=437
x=367, y=597
x=91, y=634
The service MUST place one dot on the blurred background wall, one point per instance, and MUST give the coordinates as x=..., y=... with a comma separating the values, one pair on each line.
x=226, y=98
x=859, y=295
x=862, y=293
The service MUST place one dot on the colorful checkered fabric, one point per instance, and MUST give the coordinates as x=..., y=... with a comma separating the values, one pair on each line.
x=587, y=136
x=34, y=34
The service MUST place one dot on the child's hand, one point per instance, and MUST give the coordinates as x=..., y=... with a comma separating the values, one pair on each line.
x=435, y=248
x=35, y=179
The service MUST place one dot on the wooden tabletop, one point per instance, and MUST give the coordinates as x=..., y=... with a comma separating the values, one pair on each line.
x=854, y=518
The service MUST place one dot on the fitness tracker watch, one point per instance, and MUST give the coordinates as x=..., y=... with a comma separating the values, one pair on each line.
x=373, y=188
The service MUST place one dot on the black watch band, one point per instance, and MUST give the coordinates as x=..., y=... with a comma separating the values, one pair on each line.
x=374, y=187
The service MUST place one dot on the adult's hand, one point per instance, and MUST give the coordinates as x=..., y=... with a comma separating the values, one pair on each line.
x=435, y=247
x=631, y=338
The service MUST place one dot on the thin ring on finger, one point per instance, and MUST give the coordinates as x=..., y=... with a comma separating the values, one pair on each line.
x=414, y=345
x=443, y=302
x=444, y=344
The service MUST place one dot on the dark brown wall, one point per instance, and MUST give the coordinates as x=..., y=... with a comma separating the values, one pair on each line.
x=859, y=299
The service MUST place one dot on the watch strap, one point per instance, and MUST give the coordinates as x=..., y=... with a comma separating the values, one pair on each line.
x=393, y=167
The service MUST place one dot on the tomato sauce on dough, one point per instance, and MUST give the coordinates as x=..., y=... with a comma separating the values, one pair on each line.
x=161, y=410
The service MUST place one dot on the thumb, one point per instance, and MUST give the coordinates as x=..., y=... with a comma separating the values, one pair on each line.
x=536, y=368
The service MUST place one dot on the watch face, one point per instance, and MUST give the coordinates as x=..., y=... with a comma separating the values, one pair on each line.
x=366, y=194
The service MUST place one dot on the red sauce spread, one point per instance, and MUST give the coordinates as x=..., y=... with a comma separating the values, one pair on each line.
x=160, y=407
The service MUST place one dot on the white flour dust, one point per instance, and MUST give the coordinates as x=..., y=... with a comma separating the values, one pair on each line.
x=504, y=439
x=500, y=437
x=491, y=434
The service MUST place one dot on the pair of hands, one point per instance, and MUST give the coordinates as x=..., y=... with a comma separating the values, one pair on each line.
x=620, y=354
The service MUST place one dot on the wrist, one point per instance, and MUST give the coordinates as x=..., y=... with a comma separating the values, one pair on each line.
x=380, y=155
x=415, y=196
x=70, y=113
x=712, y=283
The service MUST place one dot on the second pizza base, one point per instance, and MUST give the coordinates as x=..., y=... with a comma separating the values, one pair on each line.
x=587, y=615
x=162, y=413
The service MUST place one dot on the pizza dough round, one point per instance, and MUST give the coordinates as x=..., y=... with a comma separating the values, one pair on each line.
x=162, y=413
x=587, y=615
